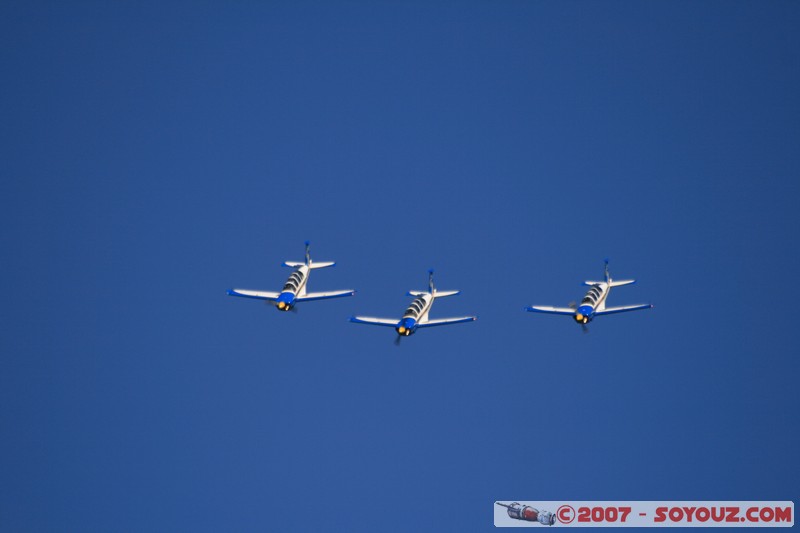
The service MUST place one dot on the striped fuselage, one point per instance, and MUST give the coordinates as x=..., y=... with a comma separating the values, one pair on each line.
x=595, y=299
x=295, y=285
x=417, y=311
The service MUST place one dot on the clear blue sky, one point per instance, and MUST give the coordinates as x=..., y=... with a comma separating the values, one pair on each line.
x=154, y=155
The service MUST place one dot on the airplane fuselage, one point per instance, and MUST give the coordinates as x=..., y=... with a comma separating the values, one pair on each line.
x=294, y=286
x=594, y=300
x=417, y=311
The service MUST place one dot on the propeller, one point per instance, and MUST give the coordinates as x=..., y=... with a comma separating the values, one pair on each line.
x=397, y=340
x=574, y=306
x=308, y=253
x=430, y=281
x=293, y=309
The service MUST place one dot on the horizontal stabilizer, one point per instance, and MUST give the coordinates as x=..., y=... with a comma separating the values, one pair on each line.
x=316, y=264
x=590, y=283
x=442, y=294
x=437, y=294
x=612, y=310
x=551, y=310
x=621, y=282
x=307, y=297
x=372, y=321
x=258, y=295
x=446, y=321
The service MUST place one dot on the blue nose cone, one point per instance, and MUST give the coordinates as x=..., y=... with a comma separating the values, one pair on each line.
x=406, y=326
x=585, y=310
x=285, y=300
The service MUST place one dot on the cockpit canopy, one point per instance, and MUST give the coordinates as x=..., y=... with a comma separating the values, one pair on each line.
x=294, y=281
x=415, y=308
x=592, y=296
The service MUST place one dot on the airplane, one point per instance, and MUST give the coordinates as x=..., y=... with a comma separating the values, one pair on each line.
x=416, y=316
x=294, y=291
x=594, y=303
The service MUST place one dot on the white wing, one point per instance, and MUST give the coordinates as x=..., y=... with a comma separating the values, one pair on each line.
x=611, y=310
x=258, y=295
x=551, y=310
x=372, y=321
x=323, y=295
x=446, y=321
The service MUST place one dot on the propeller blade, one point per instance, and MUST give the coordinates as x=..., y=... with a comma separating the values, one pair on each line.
x=397, y=340
x=585, y=328
x=572, y=305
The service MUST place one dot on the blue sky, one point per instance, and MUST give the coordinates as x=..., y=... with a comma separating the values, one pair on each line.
x=155, y=155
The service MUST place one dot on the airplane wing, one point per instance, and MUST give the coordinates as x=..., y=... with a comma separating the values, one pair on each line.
x=551, y=310
x=446, y=321
x=611, y=310
x=258, y=295
x=323, y=295
x=372, y=321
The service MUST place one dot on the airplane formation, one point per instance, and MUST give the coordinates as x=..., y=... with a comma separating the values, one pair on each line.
x=416, y=316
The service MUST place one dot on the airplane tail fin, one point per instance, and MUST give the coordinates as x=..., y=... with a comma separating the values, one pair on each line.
x=608, y=280
x=437, y=294
x=432, y=289
x=614, y=282
x=308, y=262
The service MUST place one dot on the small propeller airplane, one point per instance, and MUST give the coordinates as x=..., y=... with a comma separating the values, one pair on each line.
x=294, y=291
x=594, y=303
x=416, y=316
